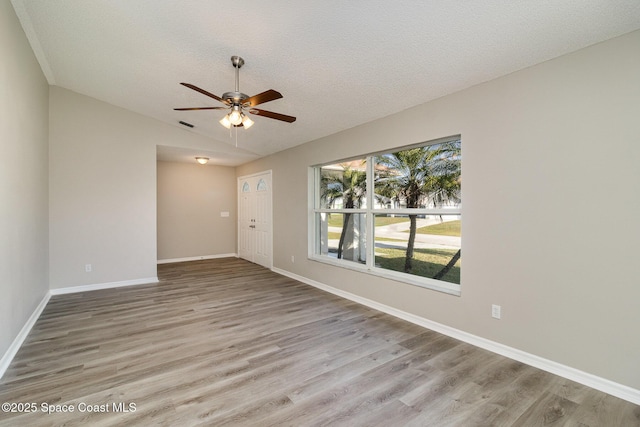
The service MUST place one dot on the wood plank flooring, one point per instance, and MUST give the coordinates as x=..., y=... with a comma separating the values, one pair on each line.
x=228, y=343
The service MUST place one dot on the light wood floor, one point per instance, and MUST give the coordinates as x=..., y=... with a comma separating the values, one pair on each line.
x=226, y=342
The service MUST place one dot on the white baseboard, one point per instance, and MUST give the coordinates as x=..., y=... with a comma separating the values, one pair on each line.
x=196, y=258
x=108, y=285
x=615, y=389
x=17, y=342
x=22, y=335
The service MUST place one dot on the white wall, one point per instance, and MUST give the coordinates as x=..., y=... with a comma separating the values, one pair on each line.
x=24, y=233
x=191, y=198
x=545, y=152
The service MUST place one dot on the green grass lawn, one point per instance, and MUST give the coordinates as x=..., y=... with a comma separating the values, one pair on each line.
x=335, y=220
x=426, y=262
x=332, y=235
x=448, y=228
x=388, y=220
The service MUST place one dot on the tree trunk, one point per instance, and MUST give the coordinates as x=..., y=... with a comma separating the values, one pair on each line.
x=410, y=243
x=345, y=224
x=447, y=267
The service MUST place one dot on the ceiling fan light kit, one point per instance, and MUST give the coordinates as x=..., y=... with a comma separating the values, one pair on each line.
x=238, y=103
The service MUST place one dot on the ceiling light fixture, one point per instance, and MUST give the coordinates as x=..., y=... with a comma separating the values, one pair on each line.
x=202, y=160
x=225, y=122
x=236, y=120
x=246, y=122
x=235, y=116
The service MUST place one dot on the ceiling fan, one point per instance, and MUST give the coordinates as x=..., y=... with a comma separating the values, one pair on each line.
x=238, y=103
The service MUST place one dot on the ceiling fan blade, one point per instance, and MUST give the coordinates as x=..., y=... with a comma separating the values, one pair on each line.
x=272, y=115
x=204, y=92
x=261, y=98
x=201, y=108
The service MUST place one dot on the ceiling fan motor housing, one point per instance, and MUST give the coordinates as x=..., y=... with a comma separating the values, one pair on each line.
x=234, y=98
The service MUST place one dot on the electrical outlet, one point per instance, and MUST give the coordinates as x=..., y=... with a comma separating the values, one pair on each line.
x=496, y=311
x=293, y=259
x=87, y=268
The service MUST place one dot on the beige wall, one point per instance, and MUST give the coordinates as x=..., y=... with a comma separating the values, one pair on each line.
x=191, y=198
x=550, y=208
x=103, y=189
x=24, y=230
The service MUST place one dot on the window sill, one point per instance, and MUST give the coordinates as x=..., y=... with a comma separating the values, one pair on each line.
x=423, y=282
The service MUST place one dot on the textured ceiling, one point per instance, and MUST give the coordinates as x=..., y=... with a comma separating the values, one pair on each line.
x=337, y=63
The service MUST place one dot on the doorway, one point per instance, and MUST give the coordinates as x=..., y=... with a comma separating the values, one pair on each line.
x=255, y=226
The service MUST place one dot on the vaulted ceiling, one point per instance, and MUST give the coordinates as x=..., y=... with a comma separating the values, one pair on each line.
x=337, y=63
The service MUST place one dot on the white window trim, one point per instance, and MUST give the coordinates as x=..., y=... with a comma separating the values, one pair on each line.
x=370, y=211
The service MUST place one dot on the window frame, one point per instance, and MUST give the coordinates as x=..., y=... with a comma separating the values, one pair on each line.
x=370, y=212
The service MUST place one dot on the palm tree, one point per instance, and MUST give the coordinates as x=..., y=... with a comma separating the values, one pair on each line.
x=348, y=184
x=421, y=176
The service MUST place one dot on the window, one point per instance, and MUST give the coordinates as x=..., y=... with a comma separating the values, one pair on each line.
x=395, y=214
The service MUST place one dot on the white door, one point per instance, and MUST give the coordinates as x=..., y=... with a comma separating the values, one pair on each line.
x=254, y=221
